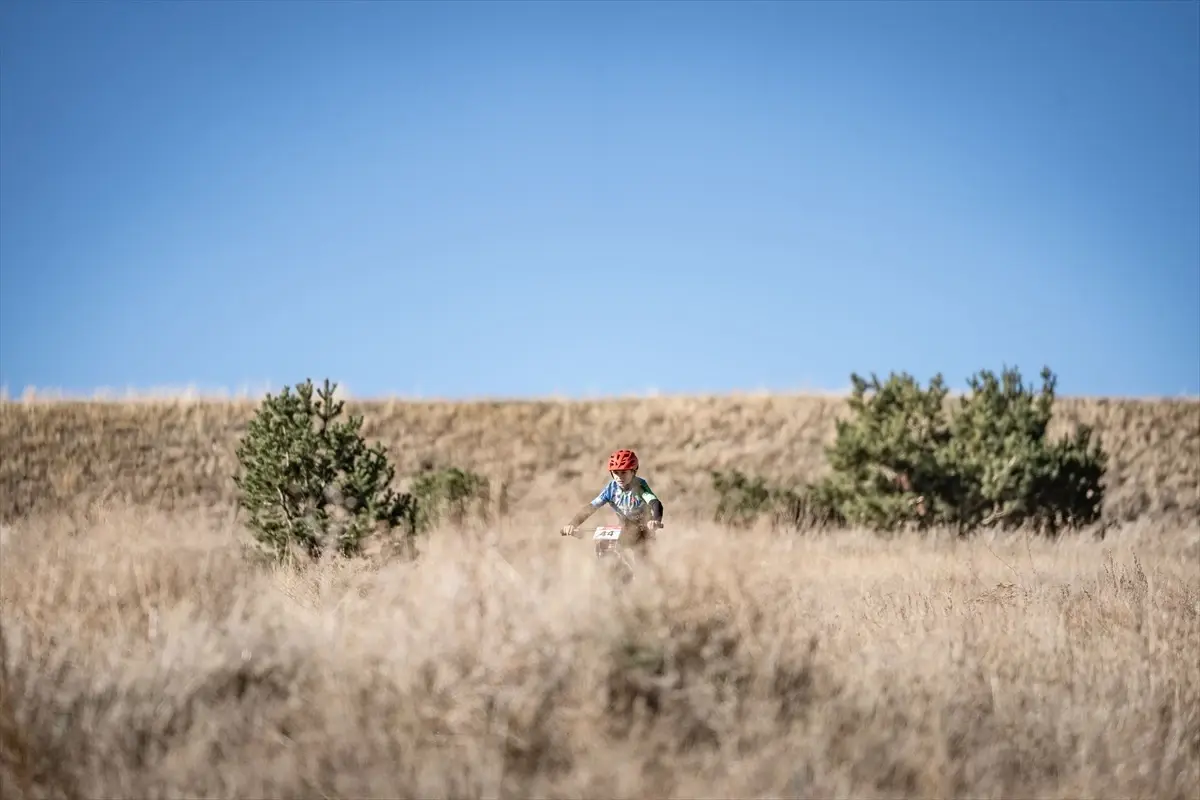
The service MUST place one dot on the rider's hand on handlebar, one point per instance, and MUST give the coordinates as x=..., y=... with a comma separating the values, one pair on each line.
x=567, y=530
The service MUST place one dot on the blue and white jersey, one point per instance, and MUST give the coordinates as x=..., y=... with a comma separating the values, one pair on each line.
x=632, y=503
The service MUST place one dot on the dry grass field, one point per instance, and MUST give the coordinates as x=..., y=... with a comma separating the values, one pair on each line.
x=142, y=655
x=179, y=454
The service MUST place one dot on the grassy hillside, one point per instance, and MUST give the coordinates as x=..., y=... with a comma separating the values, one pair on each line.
x=180, y=454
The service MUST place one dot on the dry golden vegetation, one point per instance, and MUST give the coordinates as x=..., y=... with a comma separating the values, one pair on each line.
x=179, y=454
x=143, y=656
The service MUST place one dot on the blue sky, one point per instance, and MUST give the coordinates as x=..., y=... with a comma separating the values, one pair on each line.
x=468, y=200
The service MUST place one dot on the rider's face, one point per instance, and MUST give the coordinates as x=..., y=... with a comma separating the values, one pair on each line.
x=624, y=477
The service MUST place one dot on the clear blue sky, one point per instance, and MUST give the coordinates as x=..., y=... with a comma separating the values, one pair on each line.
x=465, y=200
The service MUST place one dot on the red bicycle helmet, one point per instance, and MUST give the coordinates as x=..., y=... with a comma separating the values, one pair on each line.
x=622, y=459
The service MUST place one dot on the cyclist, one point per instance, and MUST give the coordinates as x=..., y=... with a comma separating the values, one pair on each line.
x=629, y=496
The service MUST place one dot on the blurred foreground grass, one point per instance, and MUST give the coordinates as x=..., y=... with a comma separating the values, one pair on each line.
x=144, y=657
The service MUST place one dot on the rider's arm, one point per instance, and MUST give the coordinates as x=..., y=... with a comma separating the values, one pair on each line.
x=656, y=506
x=599, y=500
x=581, y=515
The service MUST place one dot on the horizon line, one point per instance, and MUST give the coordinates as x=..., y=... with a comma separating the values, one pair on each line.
x=196, y=394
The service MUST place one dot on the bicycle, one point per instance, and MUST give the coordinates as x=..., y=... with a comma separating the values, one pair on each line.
x=607, y=542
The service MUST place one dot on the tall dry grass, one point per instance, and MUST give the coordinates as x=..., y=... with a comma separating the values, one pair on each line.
x=144, y=657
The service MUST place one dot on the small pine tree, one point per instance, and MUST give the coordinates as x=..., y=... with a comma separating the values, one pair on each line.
x=309, y=480
x=887, y=460
x=1006, y=471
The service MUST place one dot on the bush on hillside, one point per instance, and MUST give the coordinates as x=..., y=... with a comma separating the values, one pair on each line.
x=905, y=459
x=742, y=499
x=310, y=482
x=447, y=494
x=1011, y=473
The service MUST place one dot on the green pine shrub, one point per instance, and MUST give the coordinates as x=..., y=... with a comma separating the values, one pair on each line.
x=908, y=457
x=448, y=494
x=1008, y=472
x=742, y=499
x=889, y=454
x=310, y=483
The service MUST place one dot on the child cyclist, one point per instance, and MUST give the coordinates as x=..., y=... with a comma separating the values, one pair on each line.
x=629, y=496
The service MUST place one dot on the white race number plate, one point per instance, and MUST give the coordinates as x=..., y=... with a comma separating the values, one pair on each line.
x=607, y=534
